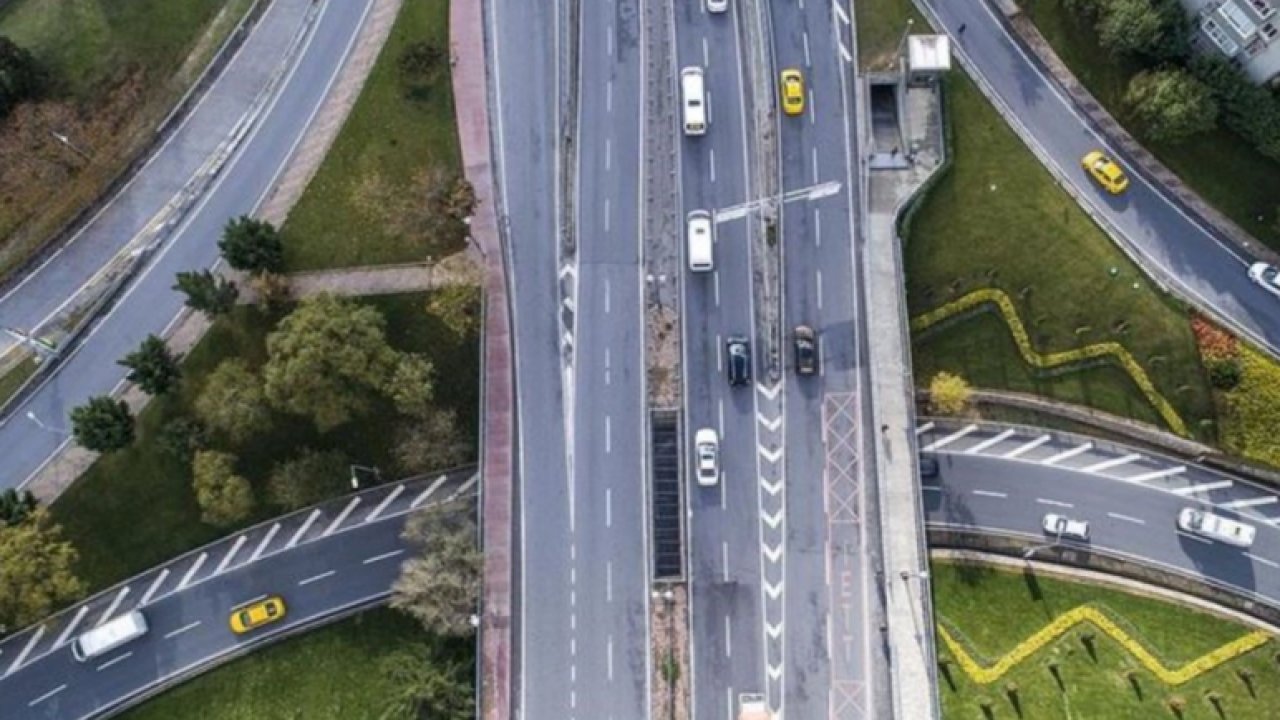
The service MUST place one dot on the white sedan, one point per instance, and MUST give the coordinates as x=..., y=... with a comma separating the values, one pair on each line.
x=706, y=446
x=1267, y=276
x=1061, y=526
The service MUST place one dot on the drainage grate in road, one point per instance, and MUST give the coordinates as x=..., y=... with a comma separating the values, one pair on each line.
x=664, y=444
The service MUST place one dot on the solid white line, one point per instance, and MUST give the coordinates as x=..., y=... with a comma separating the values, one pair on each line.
x=924, y=428
x=1127, y=518
x=1055, y=503
x=383, y=556
x=988, y=442
x=175, y=633
x=1030, y=445
x=1197, y=538
x=342, y=516
x=943, y=442
x=1203, y=487
x=1068, y=454
x=728, y=638
x=191, y=571
x=422, y=496
x=1113, y=462
x=991, y=493
x=115, y=605
x=26, y=649
x=114, y=660
x=47, y=695
x=1264, y=561
x=303, y=530
x=71, y=626
x=385, y=502
x=317, y=578
x=1252, y=502
x=1169, y=472
x=226, y=559
x=266, y=540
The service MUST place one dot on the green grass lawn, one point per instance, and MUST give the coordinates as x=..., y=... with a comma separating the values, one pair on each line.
x=997, y=219
x=994, y=610
x=329, y=674
x=13, y=378
x=1221, y=166
x=398, y=133
x=881, y=24
x=135, y=508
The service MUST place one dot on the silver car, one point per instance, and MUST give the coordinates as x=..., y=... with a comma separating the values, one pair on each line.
x=1267, y=276
x=706, y=448
x=1061, y=526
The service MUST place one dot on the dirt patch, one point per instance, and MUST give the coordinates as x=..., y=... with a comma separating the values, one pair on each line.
x=669, y=640
x=663, y=356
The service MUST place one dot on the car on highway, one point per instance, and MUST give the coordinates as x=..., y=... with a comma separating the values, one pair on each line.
x=717, y=6
x=693, y=93
x=701, y=242
x=109, y=635
x=737, y=352
x=1062, y=526
x=1216, y=527
x=806, y=349
x=706, y=448
x=792, y=91
x=1105, y=172
x=1267, y=276
x=254, y=616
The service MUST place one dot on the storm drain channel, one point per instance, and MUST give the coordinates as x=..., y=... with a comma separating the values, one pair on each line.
x=664, y=467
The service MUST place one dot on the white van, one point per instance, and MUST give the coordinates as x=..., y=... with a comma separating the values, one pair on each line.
x=1216, y=527
x=109, y=635
x=701, y=242
x=693, y=90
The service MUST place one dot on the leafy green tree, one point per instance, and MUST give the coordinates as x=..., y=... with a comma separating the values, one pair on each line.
x=949, y=394
x=426, y=685
x=440, y=585
x=326, y=359
x=1157, y=30
x=225, y=498
x=36, y=571
x=21, y=76
x=102, y=424
x=16, y=506
x=1248, y=109
x=233, y=403
x=252, y=245
x=211, y=294
x=309, y=478
x=1172, y=105
x=182, y=437
x=430, y=442
x=458, y=307
x=410, y=386
x=152, y=366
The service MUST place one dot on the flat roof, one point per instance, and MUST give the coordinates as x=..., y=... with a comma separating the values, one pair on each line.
x=928, y=52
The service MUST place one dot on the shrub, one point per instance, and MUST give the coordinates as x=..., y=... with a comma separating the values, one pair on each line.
x=1225, y=374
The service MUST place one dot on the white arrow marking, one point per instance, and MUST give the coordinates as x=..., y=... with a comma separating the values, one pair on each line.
x=773, y=631
x=773, y=554
x=772, y=521
x=775, y=672
x=773, y=591
x=771, y=488
x=771, y=426
x=772, y=456
x=769, y=393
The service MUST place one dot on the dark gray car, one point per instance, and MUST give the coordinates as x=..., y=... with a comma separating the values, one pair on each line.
x=737, y=352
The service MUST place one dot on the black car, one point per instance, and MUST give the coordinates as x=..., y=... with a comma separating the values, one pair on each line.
x=806, y=347
x=928, y=467
x=737, y=352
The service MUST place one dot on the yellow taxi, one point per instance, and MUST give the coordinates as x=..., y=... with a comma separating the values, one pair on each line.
x=1106, y=172
x=792, y=92
x=263, y=612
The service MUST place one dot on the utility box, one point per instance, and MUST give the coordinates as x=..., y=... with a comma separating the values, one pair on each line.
x=928, y=56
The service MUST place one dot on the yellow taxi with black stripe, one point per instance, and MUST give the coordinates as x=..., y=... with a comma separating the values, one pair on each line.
x=254, y=616
x=1105, y=172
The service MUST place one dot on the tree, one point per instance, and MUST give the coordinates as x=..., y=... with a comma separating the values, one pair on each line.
x=410, y=386
x=326, y=359
x=16, y=506
x=225, y=498
x=233, y=402
x=36, y=574
x=273, y=290
x=252, y=246
x=1248, y=109
x=1172, y=105
x=102, y=424
x=21, y=76
x=949, y=394
x=425, y=685
x=440, y=585
x=430, y=442
x=182, y=437
x=1157, y=30
x=457, y=306
x=211, y=294
x=152, y=366
x=312, y=476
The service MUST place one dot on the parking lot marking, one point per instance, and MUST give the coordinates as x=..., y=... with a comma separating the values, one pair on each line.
x=924, y=428
x=1027, y=447
x=1112, y=462
x=943, y=442
x=1251, y=502
x=303, y=530
x=989, y=442
x=1068, y=454
x=26, y=649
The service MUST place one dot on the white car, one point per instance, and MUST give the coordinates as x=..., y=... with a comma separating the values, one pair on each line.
x=717, y=6
x=1062, y=526
x=1216, y=527
x=706, y=448
x=701, y=242
x=1267, y=276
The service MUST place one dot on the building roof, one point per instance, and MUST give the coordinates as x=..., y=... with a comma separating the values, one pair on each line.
x=928, y=53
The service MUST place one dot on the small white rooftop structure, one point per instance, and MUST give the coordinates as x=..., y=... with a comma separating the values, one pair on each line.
x=927, y=57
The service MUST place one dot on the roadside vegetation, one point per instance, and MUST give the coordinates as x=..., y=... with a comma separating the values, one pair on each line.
x=1076, y=650
x=881, y=24
x=108, y=73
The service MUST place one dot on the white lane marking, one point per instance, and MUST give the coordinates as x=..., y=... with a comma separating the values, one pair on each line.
x=844, y=52
x=931, y=488
x=706, y=52
x=317, y=578
x=1113, y=462
x=719, y=354
x=715, y=280
x=608, y=581
x=385, y=502
x=814, y=155
x=813, y=114
x=1251, y=502
x=464, y=487
x=1264, y=561
x=47, y=695
x=608, y=370
x=71, y=627
x=608, y=304
x=608, y=507
x=1202, y=487
x=1168, y=472
x=711, y=154
x=422, y=496
x=115, y=605
x=924, y=428
x=303, y=530
x=608, y=41
x=26, y=649
x=608, y=434
x=943, y=442
x=724, y=494
x=840, y=13
x=175, y=633
x=720, y=416
x=1127, y=518
x=342, y=516
x=817, y=232
x=191, y=571
x=991, y=493
x=818, y=278
x=771, y=426
x=151, y=591
x=380, y=558
x=808, y=62
x=1027, y=447
x=724, y=559
x=608, y=96
x=606, y=214
x=250, y=601
x=115, y=660
x=608, y=153
x=1197, y=538
x=822, y=357
x=1055, y=503
x=226, y=559
x=728, y=638
x=609, y=658
x=988, y=442
x=1068, y=454
x=266, y=540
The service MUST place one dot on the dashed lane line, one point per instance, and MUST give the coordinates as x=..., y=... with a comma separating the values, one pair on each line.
x=47, y=695
x=1264, y=561
x=317, y=578
x=991, y=493
x=303, y=530
x=185, y=628
x=1127, y=518
x=115, y=660
x=1054, y=503
x=383, y=556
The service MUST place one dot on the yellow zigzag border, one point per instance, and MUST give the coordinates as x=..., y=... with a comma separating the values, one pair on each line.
x=1034, y=358
x=1087, y=614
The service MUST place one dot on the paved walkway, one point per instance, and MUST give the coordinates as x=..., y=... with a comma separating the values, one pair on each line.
x=471, y=102
x=458, y=269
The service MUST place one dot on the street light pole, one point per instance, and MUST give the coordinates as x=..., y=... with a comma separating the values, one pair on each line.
x=355, y=480
x=40, y=424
